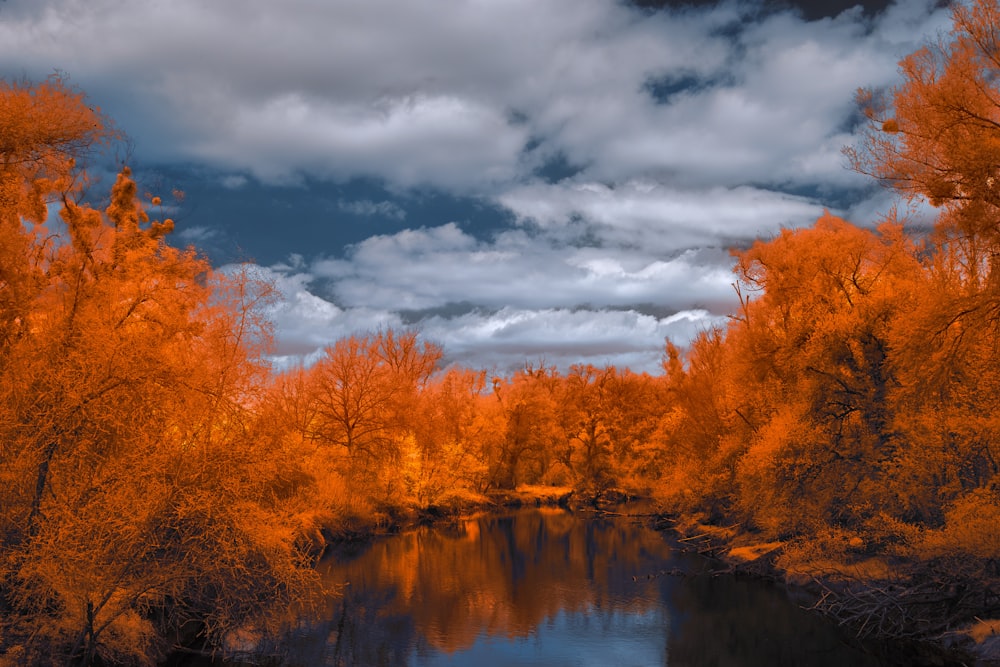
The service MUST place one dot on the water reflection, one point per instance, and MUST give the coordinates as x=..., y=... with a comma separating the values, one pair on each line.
x=549, y=587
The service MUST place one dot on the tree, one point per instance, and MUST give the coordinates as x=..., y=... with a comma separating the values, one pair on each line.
x=945, y=400
x=585, y=408
x=365, y=388
x=637, y=405
x=816, y=345
x=451, y=425
x=936, y=136
x=606, y=416
x=46, y=131
x=698, y=432
x=135, y=507
x=526, y=451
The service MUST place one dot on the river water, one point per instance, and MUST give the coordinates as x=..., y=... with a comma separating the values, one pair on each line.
x=555, y=588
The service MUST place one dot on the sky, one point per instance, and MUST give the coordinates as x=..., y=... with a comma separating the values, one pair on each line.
x=521, y=181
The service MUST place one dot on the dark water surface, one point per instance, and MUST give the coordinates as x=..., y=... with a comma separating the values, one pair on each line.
x=552, y=587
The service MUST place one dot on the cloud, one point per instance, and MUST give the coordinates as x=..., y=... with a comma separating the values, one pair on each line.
x=918, y=216
x=503, y=301
x=425, y=269
x=197, y=235
x=503, y=339
x=444, y=140
x=660, y=218
x=473, y=96
x=676, y=134
x=772, y=112
x=234, y=181
x=509, y=337
x=306, y=323
x=367, y=207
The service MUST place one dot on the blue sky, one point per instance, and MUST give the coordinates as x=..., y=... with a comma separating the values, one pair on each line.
x=520, y=180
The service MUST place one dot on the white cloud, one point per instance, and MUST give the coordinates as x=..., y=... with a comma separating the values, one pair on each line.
x=449, y=96
x=511, y=336
x=197, y=234
x=473, y=97
x=772, y=113
x=433, y=268
x=880, y=205
x=661, y=218
x=503, y=338
x=234, y=181
x=445, y=141
x=367, y=207
x=305, y=323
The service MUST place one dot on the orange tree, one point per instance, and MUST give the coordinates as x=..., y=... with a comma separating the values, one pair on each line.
x=365, y=391
x=815, y=349
x=936, y=137
x=783, y=418
x=46, y=129
x=134, y=508
x=526, y=452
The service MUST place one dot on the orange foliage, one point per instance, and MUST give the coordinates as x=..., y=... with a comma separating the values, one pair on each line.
x=525, y=451
x=46, y=129
x=855, y=391
x=157, y=479
x=133, y=505
x=606, y=417
x=937, y=135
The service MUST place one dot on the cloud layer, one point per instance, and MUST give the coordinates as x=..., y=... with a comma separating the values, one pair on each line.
x=630, y=148
x=473, y=94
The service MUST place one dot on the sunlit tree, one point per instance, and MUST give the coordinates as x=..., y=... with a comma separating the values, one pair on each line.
x=936, y=137
x=365, y=388
x=47, y=129
x=452, y=425
x=817, y=344
x=699, y=432
x=134, y=507
x=525, y=452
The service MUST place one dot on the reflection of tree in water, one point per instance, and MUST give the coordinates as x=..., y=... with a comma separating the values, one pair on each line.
x=496, y=586
x=494, y=576
x=739, y=622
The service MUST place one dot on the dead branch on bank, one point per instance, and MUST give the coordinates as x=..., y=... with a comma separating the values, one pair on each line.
x=920, y=607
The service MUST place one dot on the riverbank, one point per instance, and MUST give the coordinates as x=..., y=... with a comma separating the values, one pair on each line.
x=930, y=610
x=324, y=531
x=880, y=597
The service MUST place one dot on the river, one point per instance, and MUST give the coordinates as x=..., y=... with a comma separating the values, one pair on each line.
x=552, y=587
